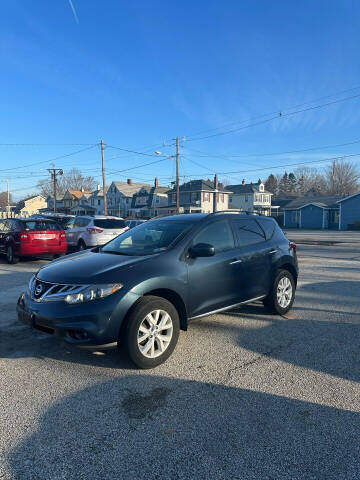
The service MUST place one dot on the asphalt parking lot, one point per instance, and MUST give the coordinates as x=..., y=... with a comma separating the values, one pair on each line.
x=246, y=395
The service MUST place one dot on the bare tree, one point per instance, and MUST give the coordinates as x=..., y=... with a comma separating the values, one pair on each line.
x=342, y=178
x=71, y=180
x=310, y=181
x=4, y=199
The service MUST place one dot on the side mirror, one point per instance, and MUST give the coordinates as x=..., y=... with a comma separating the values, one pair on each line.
x=202, y=250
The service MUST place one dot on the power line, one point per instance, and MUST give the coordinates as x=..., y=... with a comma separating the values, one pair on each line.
x=339, y=157
x=44, y=144
x=276, y=111
x=50, y=160
x=226, y=156
x=278, y=115
x=138, y=166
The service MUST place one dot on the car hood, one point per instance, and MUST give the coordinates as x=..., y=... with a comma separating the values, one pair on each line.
x=90, y=267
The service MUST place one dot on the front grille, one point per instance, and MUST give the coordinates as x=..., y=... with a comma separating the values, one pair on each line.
x=45, y=291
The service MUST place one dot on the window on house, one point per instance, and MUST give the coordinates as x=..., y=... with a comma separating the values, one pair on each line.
x=99, y=202
x=246, y=198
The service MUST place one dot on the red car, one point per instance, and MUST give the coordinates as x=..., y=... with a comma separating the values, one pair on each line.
x=26, y=237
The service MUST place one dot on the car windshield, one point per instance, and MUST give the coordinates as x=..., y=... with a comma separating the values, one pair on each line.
x=38, y=225
x=148, y=238
x=109, y=223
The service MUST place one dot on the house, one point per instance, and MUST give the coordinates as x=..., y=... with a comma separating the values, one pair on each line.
x=251, y=197
x=312, y=212
x=119, y=197
x=72, y=198
x=197, y=196
x=147, y=201
x=96, y=200
x=59, y=202
x=82, y=206
x=349, y=215
x=30, y=205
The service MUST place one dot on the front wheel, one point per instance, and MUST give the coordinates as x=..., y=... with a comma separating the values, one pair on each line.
x=152, y=331
x=10, y=255
x=282, y=295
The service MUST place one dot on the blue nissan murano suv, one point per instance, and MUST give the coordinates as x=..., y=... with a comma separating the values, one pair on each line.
x=141, y=288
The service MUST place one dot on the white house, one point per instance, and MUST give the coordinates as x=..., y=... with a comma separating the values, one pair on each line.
x=119, y=197
x=251, y=197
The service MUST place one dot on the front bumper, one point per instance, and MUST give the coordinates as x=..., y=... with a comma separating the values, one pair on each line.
x=90, y=325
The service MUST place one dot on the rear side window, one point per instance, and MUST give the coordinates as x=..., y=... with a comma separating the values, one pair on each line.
x=109, y=223
x=81, y=222
x=268, y=226
x=217, y=234
x=248, y=232
x=40, y=225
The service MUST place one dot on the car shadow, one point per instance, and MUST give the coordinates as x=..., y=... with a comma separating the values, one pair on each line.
x=323, y=335
x=147, y=426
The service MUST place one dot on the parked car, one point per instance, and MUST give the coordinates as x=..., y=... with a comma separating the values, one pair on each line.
x=88, y=231
x=144, y=286
x=26, y=237
x=65, y=221
x=134, y=223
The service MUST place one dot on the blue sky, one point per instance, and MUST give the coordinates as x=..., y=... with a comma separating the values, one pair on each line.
x=140, y=73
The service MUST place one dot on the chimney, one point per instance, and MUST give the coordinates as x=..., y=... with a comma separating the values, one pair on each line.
x=98, y=187
x=129, y=181
x=156, y=183
x=82, y=189
x=243, y=181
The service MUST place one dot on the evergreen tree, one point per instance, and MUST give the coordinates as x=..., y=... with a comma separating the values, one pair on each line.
x=284, y=183
x=292, y=181
x=271, y=184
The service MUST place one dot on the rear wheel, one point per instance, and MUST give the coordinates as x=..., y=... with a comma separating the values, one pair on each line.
x=282, y=295
x=81, y=245
x=152, y=331
x=10, y=255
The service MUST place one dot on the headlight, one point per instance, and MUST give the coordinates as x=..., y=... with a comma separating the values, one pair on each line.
x=92, y=292
x=30, y=285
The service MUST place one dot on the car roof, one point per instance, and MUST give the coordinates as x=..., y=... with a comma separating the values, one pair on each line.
x=101, y=217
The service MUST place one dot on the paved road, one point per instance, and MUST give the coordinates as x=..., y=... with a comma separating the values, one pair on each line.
x=246, y=395
x=328, y=236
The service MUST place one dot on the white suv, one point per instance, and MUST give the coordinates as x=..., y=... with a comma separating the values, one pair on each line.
x=89, y=231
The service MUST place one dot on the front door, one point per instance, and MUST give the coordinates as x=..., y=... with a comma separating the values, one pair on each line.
x=213, y=281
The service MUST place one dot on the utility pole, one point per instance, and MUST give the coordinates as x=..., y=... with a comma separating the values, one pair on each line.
x=103, y=175
x=177, y=177
x=215, y=193
x=8, y=194
x=54, y=173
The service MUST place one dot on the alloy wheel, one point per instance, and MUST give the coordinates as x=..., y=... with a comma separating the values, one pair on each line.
x=284, y=292
x=155, y=333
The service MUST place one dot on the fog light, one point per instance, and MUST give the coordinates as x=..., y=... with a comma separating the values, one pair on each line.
x=78, y=334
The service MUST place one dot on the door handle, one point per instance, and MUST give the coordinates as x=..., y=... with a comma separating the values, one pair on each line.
x=273, y=251
x=236, y=260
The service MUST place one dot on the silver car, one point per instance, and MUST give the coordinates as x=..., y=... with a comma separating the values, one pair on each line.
x=89, y=231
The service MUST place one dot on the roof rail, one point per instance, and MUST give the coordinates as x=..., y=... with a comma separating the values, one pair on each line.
x=235, y=210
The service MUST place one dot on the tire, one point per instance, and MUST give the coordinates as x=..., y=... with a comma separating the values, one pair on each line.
x=10, y=255
x=81, y=245
x=155, y=340
x=275, y=302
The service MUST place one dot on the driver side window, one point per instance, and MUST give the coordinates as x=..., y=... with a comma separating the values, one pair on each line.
x=217, y=234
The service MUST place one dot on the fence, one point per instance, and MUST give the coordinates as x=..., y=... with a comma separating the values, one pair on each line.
x=13, y=215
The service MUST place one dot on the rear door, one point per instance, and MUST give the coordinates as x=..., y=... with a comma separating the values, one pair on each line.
x=73, y=233
x=254, y=266
x=213, y=281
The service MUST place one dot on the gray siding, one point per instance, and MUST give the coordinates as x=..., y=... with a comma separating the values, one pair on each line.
x=349, y=212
